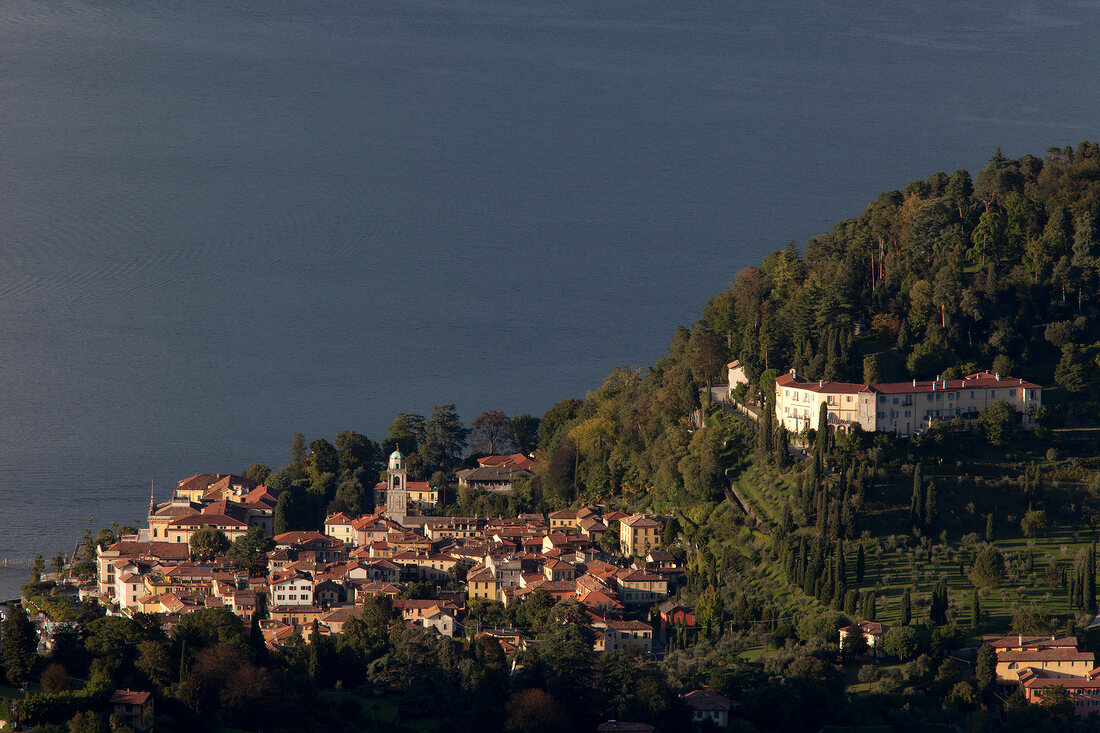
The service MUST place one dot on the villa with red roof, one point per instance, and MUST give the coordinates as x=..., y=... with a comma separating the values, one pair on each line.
x=903, y=408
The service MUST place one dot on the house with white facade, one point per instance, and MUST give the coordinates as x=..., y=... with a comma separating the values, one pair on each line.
x=902, y=408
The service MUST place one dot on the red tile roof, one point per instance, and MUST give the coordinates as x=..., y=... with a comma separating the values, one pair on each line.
x=130, y=697
x=822, y=387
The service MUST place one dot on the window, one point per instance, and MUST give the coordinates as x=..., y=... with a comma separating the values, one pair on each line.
x=848, y=398
x=929, y=397
x=1011, y=393
x=908, y=413
x=895, y=400
x=882, y=400
x=992, y=393
x=971, y=394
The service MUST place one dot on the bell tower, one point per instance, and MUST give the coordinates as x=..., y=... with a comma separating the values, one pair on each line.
x=397, y=491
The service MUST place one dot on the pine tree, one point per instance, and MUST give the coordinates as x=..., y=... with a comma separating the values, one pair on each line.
x=18, y=646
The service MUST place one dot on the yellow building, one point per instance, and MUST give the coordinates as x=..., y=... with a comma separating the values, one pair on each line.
x=639, y=533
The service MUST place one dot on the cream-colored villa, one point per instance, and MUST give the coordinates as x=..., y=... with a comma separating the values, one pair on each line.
x=903, y=408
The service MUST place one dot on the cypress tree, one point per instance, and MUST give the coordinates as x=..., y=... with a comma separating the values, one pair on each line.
x=851, y=602
x=1090, y=582
x=822, y=437
x=183, y=661
x=781, y=452
x=861, y=564
x=931, y=511
x=916, y=502
x=975, y=611
x=938, y=610
x=906, y=608
x=989, y=527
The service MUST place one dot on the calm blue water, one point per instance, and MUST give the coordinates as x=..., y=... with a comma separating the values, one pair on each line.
x=223, y=222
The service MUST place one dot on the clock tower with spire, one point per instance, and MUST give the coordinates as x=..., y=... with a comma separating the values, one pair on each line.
x=397, y=491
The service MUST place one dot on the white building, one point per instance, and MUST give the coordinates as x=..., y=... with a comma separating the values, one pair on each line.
x=291, y=588
x=903, y=408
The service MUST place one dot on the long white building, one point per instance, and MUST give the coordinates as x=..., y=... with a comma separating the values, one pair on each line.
x=903, y=408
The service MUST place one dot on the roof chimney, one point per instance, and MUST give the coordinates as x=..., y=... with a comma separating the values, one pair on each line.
x=914, y=382
x=997, y=376
x=1021, y=640
x=821, y=383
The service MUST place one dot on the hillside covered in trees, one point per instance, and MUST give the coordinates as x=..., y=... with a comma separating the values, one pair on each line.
x=969, y=528
x=947, y=276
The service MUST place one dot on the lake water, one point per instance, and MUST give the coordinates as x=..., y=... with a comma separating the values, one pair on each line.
x=223, y=222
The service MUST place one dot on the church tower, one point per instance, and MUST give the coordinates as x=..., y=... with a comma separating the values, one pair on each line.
x=397, y=491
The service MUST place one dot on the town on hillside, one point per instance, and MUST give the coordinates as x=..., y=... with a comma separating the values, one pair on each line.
x=436, y=573
x=323, y=576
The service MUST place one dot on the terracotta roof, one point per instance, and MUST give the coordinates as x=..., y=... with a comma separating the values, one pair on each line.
x=623, y=625
x=481, y=575
x=1045, y=655
x=494, y=473
x=406, y=603
x=1032, y=642
x=639, y=520
x=599, y=599
x=707, y=701
x=638, y=576
x=130, y=697
x=516, y=459
x=198, y=482
x=207, y=520
x=339, y=615
x=978, y=380
x=178, y=509
x=1037, y=679
x=159, y=550
x=822, y=387
x=301, y=537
